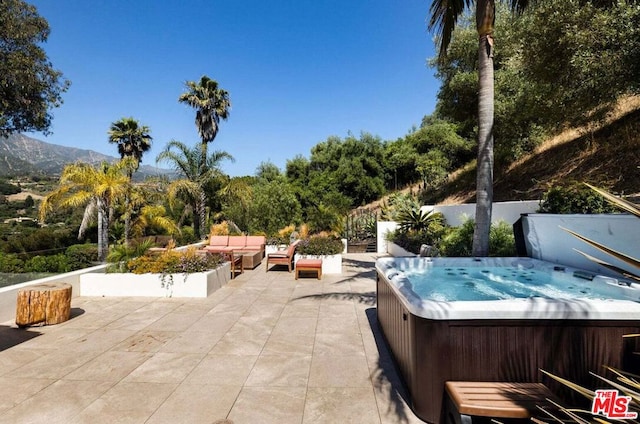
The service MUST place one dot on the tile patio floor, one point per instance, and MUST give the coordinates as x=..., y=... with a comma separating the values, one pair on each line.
x=263, y=349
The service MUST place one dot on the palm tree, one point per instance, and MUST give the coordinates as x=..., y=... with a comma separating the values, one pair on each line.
x=191, y=187
x=211, y=104
x=96, y=188
x=444, y=16
x=133, y=141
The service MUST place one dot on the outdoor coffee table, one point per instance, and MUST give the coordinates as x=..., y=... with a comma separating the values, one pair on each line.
x=251, y=259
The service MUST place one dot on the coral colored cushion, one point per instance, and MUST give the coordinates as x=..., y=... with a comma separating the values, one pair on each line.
x=218, y=240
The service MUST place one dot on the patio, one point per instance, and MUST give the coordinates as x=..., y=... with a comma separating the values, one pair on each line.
x=263, y=349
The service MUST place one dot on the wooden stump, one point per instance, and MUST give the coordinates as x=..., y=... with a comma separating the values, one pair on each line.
x=43, y=304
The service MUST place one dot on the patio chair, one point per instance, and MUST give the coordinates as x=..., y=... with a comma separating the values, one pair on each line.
x=282, y=257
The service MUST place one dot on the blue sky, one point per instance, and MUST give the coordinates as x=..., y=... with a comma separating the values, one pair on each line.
x=297, y=71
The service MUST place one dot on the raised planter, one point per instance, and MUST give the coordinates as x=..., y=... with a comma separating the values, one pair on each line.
x=331, y=264
x=197, y=284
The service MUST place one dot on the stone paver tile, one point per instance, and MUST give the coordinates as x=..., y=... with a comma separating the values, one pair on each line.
x=13, y=358
x=54, y=339
x=126, y=403
x=338, y=344
x=300, y=310
x=244, y=338
x=283, y=343
x=280, y=371
x=165, y=368
x=295, y=325
x=224, y=370
x=145, y=341
x=269, y=405
x=14, y=390
x=392, y=404
x=55, y=365
x=176, y=321
x=337, y=306
x=219, y=322
x=109, y=366
x=193, y=342
x=339, y=371
x=340, y=405
x=338, y=324
x=46, y=406
x=196, y=404
x=99, y=340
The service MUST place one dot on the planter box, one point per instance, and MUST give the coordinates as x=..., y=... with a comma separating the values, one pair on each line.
x=197, y=284
x=331, y=264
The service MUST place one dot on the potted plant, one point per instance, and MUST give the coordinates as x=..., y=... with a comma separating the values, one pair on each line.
x=325, y=247
x=170, y=273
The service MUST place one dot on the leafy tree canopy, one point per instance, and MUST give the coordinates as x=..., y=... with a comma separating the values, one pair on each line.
x=29, y=85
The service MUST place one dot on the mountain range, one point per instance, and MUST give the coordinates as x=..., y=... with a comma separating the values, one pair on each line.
x=22, y=155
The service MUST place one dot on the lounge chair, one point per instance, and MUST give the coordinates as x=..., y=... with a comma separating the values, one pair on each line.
x=282, y=257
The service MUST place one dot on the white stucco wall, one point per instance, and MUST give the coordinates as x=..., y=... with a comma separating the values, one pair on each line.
x=545, y=239
x=502, y=211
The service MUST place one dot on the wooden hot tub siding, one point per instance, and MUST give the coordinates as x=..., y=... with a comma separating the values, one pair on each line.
x=430, y=352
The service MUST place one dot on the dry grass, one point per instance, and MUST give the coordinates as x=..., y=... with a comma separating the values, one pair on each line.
x=607, y=155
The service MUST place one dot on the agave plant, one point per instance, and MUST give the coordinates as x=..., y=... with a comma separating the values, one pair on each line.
x=417, y=219
x=629, y=260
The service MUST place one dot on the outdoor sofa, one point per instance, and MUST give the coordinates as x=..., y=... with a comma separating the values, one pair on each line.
x=236, y=244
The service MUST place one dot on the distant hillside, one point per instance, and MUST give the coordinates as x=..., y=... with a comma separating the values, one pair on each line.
x=608, y=156
x=22, y=155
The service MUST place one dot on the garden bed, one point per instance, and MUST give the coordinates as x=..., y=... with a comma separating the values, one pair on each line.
x=197, y=284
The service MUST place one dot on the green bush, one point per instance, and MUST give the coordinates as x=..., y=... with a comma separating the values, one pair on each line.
x=11, y=263
x=501, y=240
x=416, y=229
x=574, y=198
x=81, y=255
x=320, y=245
x=53, y=263
x=174, y=262
x=459, y=240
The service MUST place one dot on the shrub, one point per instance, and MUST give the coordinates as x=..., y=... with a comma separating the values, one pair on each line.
x=320, y=245
x=11, y=263
x=173, y=262
x=501, y=240
x=53, y=263
x=81, y=255
x=574, y=198
x=459, y=240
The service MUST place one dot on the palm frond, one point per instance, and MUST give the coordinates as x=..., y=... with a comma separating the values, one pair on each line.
x=618, y=255
x=623, y=204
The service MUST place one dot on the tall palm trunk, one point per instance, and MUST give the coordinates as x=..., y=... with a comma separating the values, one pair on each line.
x=103, y=229
x=202, y=213
x=127, y=211
x=485, y=16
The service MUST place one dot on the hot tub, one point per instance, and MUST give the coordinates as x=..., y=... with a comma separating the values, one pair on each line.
x=508, y=339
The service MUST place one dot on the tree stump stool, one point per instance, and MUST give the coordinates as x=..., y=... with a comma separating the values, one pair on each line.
x=43, y=304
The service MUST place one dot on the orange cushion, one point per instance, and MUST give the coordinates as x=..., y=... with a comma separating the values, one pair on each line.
x=237, y=241
x=309, y=263
x=218, y=240
x=256, y=240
